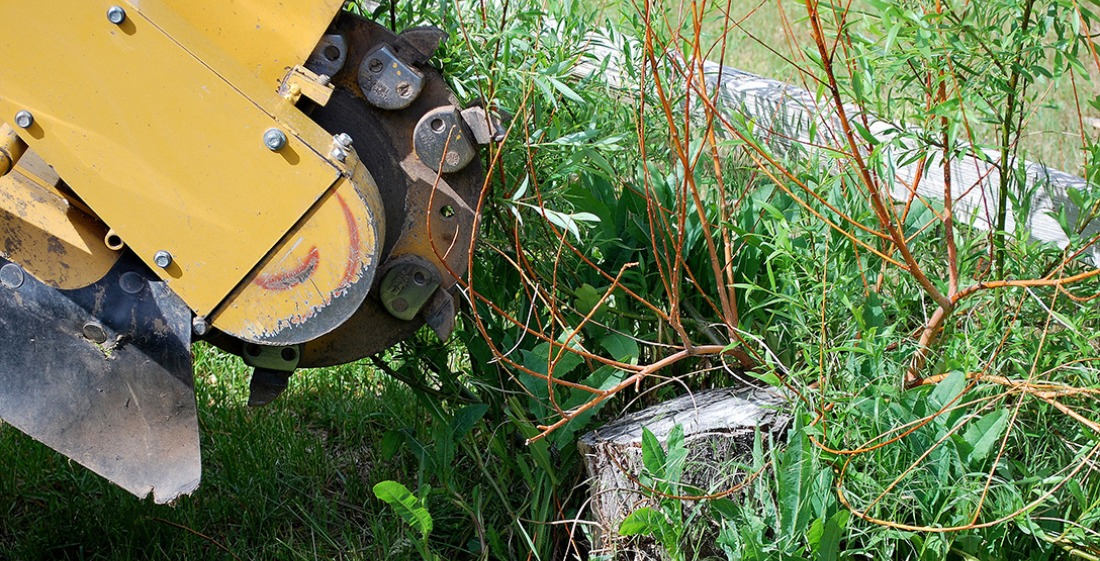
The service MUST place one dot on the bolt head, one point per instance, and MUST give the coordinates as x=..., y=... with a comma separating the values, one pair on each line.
x=274, y=139
x=131, y=282
x=94, y=332
x=24, y=119
x=11, y=276
x=404, y=89
x=200, y=326
x=343, y=139
x=116, y=15
x=163, y=259
x=375, y=65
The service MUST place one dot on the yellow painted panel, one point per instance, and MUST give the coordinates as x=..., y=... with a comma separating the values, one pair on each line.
x=52, y=240
x=267, y=37
x=165, y=150
x=319, y=275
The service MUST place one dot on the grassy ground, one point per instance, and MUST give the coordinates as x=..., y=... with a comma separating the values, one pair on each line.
x=290, y=481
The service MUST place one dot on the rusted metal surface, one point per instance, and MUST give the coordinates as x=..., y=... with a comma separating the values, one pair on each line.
x=102, y=374
x=428, y=214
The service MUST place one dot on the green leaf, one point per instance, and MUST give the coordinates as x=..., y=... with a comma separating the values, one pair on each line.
x=948, y=389
x=466, y=418
x=769, y=378
x=828, y=548
x=653, y=456
x=645, y=522
x=726, y=508
x=677, y=454
x=621, y=347
x=986, y=433
x=566, y=90
x=406, y=505
x=391, y=443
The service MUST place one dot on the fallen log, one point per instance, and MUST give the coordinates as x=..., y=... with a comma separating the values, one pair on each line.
x=790, y=120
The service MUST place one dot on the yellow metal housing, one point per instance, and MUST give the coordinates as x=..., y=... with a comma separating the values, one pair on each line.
x=268, y=37
x=52, y=239
x=158, y=124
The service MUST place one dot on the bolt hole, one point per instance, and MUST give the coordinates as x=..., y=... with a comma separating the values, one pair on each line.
x=332, y=52
x=252, y=349
x=289, y=354
x=419, y=278
x=447, y=211
x=438, y=125
x=113, y=241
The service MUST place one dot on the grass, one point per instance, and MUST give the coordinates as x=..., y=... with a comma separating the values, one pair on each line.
x=290, y=481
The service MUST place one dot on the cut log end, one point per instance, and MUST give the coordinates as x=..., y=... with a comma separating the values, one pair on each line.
x=719, y=426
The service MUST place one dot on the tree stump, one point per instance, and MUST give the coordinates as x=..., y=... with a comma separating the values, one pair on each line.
x=719, y=428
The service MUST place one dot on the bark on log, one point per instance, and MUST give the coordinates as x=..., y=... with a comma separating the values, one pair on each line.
x=719, y=428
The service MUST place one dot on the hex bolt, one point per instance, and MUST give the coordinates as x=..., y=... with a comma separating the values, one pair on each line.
x=341, y=143
x=274, y=139
x=404, y=89
x=24, y=119
x=163, y=259
x=200, y=326
x=116, y=15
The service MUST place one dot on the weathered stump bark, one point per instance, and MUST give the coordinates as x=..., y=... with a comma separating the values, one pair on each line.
x=719, y=428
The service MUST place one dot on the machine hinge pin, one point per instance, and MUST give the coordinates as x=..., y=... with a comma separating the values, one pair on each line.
x=274, y=139
x=116, y=15
x=24, y=119
x=163, y=259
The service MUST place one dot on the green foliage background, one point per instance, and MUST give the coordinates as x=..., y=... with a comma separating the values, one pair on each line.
x=350, y=464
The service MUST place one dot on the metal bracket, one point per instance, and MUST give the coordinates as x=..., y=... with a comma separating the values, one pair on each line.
x=273, y=358
x=407, y=286
x=387, y=81
x=487, y=125
x=441, y=141
x=102, y=374
x=329, y=56
x=302, y=81
x=272, y=367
